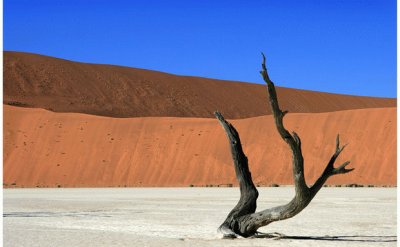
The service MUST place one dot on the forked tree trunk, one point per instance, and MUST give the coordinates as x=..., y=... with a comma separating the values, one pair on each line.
x=243, y=220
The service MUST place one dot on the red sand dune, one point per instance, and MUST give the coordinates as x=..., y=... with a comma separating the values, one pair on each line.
x=64, y=86
x=43, y=148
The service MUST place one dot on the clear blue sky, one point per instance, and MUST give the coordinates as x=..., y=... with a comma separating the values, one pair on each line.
x=335, y=46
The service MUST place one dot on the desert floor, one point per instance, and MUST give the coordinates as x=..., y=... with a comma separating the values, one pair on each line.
x=190, y=217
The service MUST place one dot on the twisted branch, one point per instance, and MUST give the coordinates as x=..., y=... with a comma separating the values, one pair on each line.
x=243, y=220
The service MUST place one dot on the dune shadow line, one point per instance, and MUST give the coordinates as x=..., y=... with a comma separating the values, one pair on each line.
x=355, y=238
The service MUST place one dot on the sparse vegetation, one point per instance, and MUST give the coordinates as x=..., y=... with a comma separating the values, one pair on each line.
x=16, y=103
x=354, y=185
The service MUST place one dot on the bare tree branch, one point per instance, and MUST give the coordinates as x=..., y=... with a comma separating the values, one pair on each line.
x=243, y=220
x=293, y=141
x=248, y=192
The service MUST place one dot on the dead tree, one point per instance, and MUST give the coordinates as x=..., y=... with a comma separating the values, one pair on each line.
x=243, y=220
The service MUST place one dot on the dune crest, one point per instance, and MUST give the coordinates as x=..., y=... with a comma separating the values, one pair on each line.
x=43, y=148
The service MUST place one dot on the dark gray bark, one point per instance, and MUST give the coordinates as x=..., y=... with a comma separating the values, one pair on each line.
x=243, y=220
x=248, y=193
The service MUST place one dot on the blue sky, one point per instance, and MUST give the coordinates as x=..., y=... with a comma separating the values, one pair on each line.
x=334, y=46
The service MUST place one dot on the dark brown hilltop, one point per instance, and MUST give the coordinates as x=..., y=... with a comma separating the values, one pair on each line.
x=64, y=86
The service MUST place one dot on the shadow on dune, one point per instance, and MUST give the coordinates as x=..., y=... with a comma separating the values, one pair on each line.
x=350, y=238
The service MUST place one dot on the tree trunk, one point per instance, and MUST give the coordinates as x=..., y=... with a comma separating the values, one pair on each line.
x=243, y=220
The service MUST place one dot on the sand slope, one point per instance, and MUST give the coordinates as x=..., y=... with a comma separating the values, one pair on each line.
x=64, y=86
x=43, y=148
